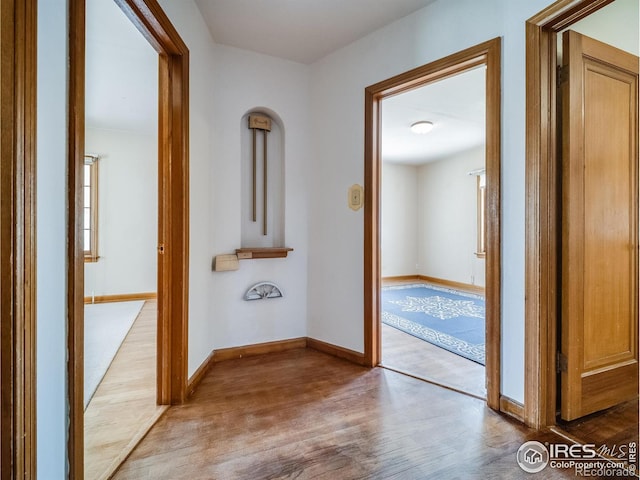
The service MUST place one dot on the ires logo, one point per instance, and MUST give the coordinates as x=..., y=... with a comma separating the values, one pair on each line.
x=534, y=456
x=560, y=451
x=585, y=460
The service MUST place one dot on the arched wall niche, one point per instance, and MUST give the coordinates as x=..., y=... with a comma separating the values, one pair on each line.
x=263, y=192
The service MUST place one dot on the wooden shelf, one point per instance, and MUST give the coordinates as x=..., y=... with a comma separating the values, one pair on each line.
x=255, y=253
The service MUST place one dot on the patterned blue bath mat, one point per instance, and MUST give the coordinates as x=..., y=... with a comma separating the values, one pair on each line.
x=447, y=318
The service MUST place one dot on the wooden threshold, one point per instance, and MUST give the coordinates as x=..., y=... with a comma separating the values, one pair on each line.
x=415, y=356
x=432, y=381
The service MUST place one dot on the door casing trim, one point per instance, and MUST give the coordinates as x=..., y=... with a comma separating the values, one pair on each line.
x=487, y=53
x=542, y=206
x=18, y=55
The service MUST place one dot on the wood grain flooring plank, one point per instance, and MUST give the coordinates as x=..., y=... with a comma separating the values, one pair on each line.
x=303, y=414
x=123, y=407
x=614, y=426
x=406, y=353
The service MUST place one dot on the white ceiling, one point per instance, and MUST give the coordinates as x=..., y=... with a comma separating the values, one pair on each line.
x=455, y=105
x=121, y=72
x=300, y=30
x=122, y=68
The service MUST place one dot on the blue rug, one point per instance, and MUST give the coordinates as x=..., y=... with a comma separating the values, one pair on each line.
x=447, y=318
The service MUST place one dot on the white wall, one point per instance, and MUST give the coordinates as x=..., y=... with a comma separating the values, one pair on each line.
x=243, y=81
x=127, y=212
x=52, y=237
x=399, y=220
x=429, y=219
x=336, y=235
x=447, y=218
x=324, y=151
x=247, y=81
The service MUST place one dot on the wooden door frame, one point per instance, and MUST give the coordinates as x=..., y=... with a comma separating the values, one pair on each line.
x=173, y=210
x=487, y=53
x=542, y=206
x=18, y=84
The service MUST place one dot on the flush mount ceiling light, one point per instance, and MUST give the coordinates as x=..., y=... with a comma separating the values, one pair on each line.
x=422, y=127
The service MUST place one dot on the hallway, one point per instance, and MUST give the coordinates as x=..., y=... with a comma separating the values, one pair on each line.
x=303, y=414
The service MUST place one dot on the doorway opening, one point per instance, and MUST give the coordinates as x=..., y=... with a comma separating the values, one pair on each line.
x=433, y=248
x=172, y=215
x=120, y=237
x=486, y=55
x=551, y=202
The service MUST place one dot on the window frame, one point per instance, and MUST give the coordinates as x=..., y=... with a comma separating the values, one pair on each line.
x=91, y=254
x=481, y=243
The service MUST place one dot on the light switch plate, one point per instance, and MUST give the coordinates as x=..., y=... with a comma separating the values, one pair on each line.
x=356, y=197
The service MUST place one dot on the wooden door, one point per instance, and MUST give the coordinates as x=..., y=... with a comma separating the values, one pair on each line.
x=599, y=297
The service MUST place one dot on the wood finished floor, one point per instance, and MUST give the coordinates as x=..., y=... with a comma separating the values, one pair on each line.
x=303, y=414
x=617, y=425
x=124, y=404
x=416, y=357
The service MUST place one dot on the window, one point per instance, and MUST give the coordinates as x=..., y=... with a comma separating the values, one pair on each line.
x=90, y=210
x=481, y=250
